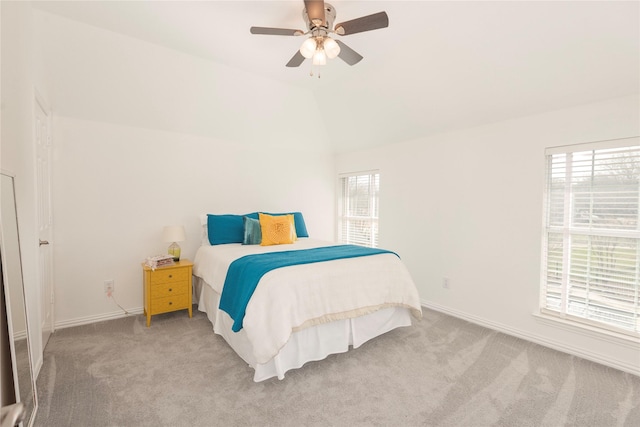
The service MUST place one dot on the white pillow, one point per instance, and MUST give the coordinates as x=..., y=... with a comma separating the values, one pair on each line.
x=204, y=235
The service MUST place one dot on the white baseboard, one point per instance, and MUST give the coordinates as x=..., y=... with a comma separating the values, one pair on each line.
x=99, y=318
x=544, y=341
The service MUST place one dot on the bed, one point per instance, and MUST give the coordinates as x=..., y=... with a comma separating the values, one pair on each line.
x=301, y=312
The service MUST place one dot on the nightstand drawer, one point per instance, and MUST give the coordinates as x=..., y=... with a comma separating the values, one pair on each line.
x=170, y=303
x=168, y=289
x=169, y=275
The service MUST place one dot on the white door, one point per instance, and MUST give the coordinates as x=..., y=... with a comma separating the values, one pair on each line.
x=43, y=184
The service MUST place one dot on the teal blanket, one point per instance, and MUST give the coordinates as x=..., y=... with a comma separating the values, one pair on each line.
x=245, y=273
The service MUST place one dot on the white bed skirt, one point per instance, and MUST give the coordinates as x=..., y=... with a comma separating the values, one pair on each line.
x=313, y=343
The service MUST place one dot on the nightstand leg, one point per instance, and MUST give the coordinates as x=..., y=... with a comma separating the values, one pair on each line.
x=148, y=320
x=190, y=314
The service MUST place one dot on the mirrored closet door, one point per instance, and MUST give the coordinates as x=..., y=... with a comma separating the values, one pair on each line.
x=24, y=385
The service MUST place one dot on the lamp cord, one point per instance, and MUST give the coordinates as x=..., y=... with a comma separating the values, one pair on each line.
x=116, y=302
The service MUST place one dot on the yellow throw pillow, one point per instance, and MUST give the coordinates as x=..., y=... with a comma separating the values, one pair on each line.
x=277, y=230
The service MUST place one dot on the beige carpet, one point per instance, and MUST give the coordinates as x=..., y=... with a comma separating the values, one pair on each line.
x=440, y=372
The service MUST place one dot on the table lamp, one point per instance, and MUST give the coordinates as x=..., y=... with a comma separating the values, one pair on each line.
x=173, y=234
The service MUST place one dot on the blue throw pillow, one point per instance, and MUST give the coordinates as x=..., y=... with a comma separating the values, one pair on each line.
x=252, y=231
x=301, y=227
x=223, y=229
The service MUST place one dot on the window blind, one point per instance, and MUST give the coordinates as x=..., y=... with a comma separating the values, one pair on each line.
x=358, y=208
x=591, y=259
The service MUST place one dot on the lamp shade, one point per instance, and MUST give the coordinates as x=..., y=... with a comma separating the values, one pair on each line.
x=174, y=233
x=308, y=47
x=331, y=47
x=319, y=57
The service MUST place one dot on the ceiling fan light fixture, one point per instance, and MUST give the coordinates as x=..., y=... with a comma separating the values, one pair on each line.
x=319, y=18
x=308, y=48
x=319, y=57
x=331, y=47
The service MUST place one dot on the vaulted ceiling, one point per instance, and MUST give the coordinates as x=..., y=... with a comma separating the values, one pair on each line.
x=439, y=66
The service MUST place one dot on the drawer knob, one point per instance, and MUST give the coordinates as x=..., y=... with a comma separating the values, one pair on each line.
x=170, y=303
x=170, y=289
x=170, y=276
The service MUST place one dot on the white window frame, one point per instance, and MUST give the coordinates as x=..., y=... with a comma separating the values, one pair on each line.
x=571, y=230
x=370, y=217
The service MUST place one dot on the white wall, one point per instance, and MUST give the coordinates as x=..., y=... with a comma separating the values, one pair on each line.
x=145, y=136
x=467, y=205
x=253, y=153
x=115, y=187
x=95, y=74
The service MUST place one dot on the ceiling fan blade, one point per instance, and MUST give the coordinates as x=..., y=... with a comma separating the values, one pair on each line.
x=296, y=60
x=348, y=55
x=366, y=23
x=315, y=11
x=276, y=31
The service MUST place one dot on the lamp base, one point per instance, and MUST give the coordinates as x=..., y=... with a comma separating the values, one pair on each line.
x=174, y=249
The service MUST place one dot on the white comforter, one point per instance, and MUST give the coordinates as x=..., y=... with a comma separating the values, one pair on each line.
x=292, y=298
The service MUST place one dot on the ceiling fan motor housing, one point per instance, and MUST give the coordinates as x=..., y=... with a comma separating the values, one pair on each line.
x=329, y=18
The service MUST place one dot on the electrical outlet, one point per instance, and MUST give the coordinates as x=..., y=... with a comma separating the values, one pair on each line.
x=445, y=282
x=109, y=287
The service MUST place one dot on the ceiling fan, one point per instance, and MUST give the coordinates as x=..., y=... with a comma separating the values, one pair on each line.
x=319, y=17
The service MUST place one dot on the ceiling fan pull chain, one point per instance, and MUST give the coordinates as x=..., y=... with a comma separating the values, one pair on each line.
x=311, y=72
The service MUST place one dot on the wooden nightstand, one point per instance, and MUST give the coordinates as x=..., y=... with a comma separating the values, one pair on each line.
x=167, y=288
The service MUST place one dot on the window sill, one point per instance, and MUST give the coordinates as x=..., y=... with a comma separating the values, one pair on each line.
x=588, y=330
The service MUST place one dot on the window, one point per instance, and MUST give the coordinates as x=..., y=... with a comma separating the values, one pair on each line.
x=358, y=208
x=591, y=258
